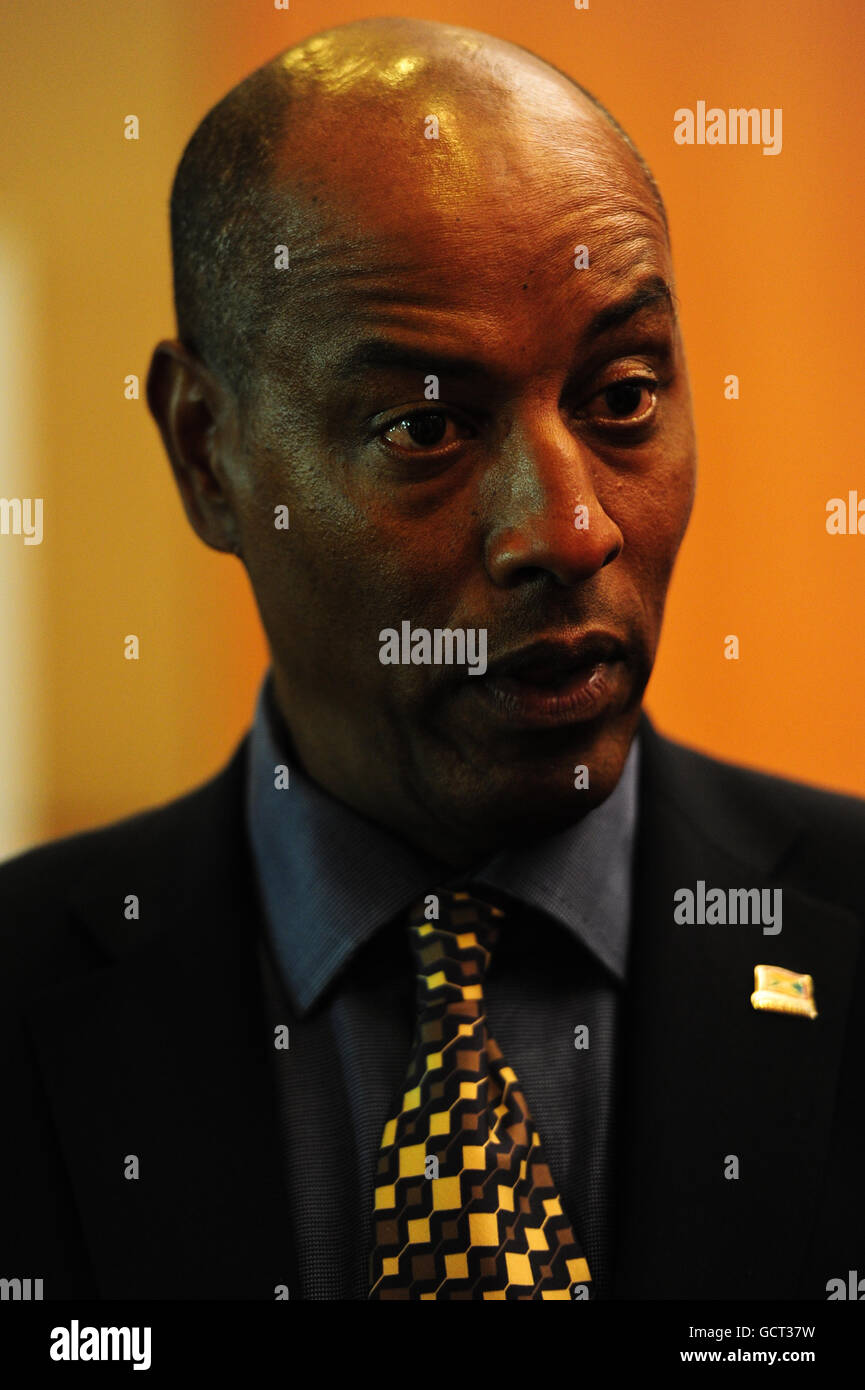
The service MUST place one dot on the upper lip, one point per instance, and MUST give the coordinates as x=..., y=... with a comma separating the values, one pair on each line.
x=549, y=657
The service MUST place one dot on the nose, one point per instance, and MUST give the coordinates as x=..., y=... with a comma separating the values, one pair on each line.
x=545, y=516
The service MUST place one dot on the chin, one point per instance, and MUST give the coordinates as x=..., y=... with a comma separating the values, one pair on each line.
x=516, y=805
x=581, y=764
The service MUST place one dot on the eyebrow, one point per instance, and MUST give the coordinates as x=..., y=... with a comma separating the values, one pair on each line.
x=384, y=353
x=653, y=291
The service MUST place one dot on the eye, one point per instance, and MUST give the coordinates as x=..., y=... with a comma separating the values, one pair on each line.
x=631, y=401
x=419, y=431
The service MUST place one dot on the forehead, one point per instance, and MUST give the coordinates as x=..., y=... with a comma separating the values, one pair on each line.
x=391, y=222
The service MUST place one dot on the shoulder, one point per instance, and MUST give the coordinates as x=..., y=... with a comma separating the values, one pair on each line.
x=51, y=869
x=746, y=788
x=45, y=889
x=816, y=834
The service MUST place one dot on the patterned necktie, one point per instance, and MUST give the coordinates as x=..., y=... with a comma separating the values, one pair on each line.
x=465, y=1206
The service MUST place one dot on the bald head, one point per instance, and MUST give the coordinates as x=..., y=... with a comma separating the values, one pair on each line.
x=289, y=156
x=426, y=296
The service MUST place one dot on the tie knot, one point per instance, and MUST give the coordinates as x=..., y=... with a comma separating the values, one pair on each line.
x=453, y=949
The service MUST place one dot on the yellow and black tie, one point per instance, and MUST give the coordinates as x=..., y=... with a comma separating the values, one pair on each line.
x=465, y=1205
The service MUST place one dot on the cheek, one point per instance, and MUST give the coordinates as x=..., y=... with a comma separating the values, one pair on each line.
x=671, y=483
x=679, y=477
x=326, y=592
x=670, y=502
x=348, y=548
x=653, y=518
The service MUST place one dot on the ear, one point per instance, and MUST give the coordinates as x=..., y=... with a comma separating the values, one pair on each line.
x=198, y=422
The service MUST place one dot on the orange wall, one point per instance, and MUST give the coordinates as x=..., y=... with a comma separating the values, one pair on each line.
x=770, y=268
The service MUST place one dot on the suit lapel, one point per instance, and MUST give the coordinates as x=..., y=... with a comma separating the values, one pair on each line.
x=163, y=1054
x=707, y=1078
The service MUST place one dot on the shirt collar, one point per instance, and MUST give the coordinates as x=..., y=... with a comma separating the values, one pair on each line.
x=330, y=878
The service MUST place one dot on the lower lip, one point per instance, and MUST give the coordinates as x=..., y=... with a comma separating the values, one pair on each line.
x=590, y=692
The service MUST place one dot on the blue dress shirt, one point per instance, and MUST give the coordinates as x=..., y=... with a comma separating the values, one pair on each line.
x=335, y=889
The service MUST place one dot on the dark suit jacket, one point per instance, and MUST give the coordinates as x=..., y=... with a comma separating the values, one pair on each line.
x=149, y=1038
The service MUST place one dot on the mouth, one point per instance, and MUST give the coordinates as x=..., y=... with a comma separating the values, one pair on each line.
x=554, y=683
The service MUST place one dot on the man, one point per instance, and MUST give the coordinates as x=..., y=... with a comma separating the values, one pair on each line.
x=442, y=988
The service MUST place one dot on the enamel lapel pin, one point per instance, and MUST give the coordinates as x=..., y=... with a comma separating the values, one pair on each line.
x=783, y=991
